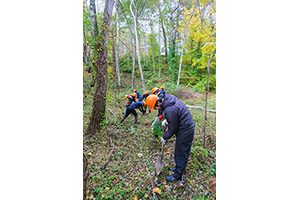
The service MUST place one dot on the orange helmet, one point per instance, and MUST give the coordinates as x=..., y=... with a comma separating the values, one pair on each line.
x=126, y=96
x=146, y=92
x=134, y=90
x=154, y=90
x=151, y=101
x=162, y=87
x=134, y=94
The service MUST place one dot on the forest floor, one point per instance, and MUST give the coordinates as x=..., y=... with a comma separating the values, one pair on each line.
x=130, y=171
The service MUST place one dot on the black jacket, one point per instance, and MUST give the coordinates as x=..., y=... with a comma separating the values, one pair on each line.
x=180, y=121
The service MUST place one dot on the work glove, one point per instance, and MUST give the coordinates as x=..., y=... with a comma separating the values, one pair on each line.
x=160, y=117
x=165, y=123
x=162, y=140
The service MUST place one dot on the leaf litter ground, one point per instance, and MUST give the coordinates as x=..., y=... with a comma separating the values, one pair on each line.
x=130, y=171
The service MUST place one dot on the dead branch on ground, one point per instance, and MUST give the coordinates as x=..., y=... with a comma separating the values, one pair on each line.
x=102, y=168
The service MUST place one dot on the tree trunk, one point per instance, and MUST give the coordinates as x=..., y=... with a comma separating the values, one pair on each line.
x=206, y=94
x=159, y=51
x=186, y=33
x=114, y=59
x=85, y=175
x=133, y=61
x=117, y=51
x=206, y=90
x=137, y=42
x=84, y=49
x=99, y=102
x=164, y=34
x=152, y=44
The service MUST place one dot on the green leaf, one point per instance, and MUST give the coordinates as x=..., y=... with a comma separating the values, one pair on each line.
x=204, y=152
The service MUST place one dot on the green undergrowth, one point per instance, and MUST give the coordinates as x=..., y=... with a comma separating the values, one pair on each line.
x=130, y=171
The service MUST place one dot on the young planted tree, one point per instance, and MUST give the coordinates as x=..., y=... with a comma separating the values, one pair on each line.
x=99, y=103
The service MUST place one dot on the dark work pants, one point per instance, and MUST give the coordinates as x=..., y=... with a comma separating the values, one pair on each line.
x=128, y=111
x=183, y=148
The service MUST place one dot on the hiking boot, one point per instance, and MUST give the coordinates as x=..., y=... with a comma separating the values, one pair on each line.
x=174, y=177
x=172, y=169
x=122, y=120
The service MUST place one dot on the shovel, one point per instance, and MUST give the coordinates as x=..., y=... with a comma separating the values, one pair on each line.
x=159, y=164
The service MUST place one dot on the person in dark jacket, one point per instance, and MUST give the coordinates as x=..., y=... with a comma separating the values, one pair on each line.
x=130, y=98
x=162, y=90
x=131, y=109
x=180, y=124
x=139, y=96
x=146, y=94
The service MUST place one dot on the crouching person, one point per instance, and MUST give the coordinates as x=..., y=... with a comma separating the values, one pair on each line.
x=131, y=109
x=180, y=124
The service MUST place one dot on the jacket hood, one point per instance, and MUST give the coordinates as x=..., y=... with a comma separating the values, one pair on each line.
x=169, y=100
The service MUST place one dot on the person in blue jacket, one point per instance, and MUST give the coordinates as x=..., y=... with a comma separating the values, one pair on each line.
x=162, y=90
x=131, y=109
x=139, y=96
x=180, y=124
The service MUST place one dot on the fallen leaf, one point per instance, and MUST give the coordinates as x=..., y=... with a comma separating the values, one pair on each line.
x=89, y=153
x=90, y=196
x=140, y=154
x=167, y=153
x=156, y=190
x=135, y=198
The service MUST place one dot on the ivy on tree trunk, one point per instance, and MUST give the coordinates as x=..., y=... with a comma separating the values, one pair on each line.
x=99, y=103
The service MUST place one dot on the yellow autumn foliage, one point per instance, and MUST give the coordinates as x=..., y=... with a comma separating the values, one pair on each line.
x=200, y=32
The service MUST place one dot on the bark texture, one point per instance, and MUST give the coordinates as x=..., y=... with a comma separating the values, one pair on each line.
x=99, y=103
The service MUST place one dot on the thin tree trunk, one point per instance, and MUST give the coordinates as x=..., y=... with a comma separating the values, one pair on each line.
x=117, y=50
x=186, y=33
x=85, y=175
x=84, y=49
x=114, y=60
x=206, y=91
x=164, y=34
x=206, y=94
x=159, y=52
x=133, y=62
x=99, y=103
x=137, y=43
x=152, y=45
x=165, y=42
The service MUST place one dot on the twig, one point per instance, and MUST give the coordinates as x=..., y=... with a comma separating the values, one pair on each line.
x=102, y=168
x=213, y=111
x=112, y=113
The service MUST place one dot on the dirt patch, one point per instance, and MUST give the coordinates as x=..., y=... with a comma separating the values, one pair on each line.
x=186, y=94
x=212, y=184
x=147, y=124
